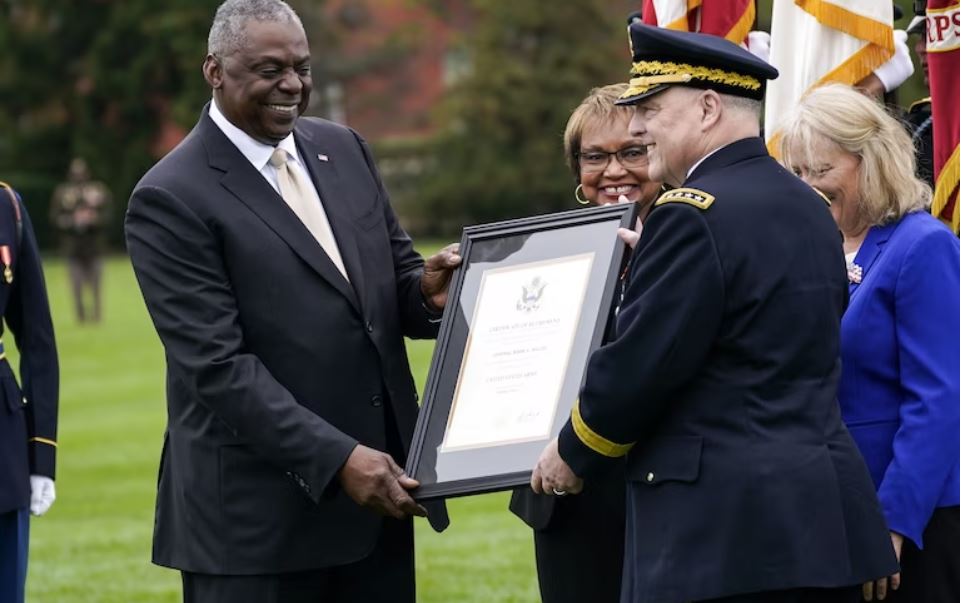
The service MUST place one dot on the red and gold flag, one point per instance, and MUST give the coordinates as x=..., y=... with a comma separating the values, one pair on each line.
x=943, y=59
x=730, y=19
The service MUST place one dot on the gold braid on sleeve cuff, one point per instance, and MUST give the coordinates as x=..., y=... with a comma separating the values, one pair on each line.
x=593, y=440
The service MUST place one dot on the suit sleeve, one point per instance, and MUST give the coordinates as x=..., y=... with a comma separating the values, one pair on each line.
x=28, y=315
x=181, y=273
x=667, y=323
x=417, y=321
x=927, y=307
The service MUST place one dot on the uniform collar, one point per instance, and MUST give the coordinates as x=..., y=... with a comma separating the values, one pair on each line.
x=729, y=154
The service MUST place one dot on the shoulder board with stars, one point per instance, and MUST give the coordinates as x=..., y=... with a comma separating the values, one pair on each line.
x=691, y=196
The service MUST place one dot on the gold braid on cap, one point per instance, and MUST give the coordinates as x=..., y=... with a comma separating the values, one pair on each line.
x=653, y=73
x=640, y=85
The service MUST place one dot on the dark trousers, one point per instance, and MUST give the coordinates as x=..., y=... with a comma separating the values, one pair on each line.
x=846, y=594
x=932, y=575
x=387, y=575
x=85, y=273
x=14, y=538
x=579, y=554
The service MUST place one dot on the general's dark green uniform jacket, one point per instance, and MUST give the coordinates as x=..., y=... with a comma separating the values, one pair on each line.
x=721, y=389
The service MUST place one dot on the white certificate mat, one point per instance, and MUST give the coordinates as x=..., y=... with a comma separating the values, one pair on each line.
x=519, y=342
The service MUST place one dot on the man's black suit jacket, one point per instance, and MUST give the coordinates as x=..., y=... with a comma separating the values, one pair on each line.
x=276, y=366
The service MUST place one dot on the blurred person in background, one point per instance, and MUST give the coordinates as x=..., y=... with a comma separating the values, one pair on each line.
x=919, y=115
x=900, y=387
x=28, y=411
x=281, y=286
x=579, y=540
x=80, y=210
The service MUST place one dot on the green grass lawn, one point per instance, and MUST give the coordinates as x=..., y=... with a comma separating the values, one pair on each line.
x=94, y=544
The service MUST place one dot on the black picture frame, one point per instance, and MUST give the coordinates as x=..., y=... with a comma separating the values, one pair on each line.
x=586, y=235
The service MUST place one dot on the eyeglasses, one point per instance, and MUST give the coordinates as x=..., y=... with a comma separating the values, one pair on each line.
x=596, y=161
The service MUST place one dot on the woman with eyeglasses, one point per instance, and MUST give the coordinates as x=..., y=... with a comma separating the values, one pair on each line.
x=579, y=538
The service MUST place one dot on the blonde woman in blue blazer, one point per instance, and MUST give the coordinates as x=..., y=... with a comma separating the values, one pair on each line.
x=900, y=387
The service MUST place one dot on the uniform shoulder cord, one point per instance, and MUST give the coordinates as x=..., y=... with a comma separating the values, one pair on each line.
x=16, y=210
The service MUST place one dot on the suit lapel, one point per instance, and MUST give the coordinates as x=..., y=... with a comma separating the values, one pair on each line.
x=322, y=167
x=869, y=251
x=249, y=186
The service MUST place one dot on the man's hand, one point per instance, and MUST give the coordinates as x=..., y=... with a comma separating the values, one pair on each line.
x=437, y=276
x=552, y=475
x=373, y=479
x=892, y=582
x=42, y=494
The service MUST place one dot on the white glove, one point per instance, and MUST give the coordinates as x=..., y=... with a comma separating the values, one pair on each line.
x=42, y=494
x=759, y=44
x=898, y=69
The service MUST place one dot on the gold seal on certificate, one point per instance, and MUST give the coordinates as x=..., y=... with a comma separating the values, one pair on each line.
x=530, y=302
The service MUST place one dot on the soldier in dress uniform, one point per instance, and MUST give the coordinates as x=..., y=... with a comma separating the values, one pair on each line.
x=80, y=209
x=720, y=386
x=919, y=115
x=28, y=412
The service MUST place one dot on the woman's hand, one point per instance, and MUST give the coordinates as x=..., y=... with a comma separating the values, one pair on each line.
x=880, y=586
x=630, y=237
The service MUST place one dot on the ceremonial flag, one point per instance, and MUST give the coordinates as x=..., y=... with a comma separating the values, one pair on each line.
x=819, y=41
x=730, y=19
x=943, y=59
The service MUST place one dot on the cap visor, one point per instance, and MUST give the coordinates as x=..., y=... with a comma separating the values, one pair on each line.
x=631, y=100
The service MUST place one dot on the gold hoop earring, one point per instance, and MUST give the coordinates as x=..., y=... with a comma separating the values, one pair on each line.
x=581, y=200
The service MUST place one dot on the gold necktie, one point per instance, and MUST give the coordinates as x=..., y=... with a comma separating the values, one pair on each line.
x=296, y=192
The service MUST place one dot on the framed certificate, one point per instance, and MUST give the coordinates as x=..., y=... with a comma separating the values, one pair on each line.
x=531, y=301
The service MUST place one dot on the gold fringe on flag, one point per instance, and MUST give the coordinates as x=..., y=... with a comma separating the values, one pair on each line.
x=947, y=189
x=739, y=31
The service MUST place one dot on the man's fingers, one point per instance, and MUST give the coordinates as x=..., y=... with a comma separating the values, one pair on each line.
x=446, y=258
x=868, y=590
x=894, y=581
x=402, y=502
x=394, y=467
x=536, y=481
x=408, y=483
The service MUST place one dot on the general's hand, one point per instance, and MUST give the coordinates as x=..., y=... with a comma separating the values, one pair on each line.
x=553, y=475
x=42, y=494
x=437, y=275
x=880, y=586
x=373, y=479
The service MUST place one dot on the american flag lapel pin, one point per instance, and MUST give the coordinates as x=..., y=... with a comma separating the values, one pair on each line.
x=322, y=157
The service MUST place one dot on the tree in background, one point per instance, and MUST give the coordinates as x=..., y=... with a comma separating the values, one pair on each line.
x=530, y=62
x=114, y=82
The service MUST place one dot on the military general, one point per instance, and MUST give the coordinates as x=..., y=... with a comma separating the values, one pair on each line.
x=720, y=387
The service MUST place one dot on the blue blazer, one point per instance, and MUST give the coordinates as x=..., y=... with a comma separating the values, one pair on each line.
x=900, y=388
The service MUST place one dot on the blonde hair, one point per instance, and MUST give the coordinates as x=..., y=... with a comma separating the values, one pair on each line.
x=888, y=186
x=598, y=107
